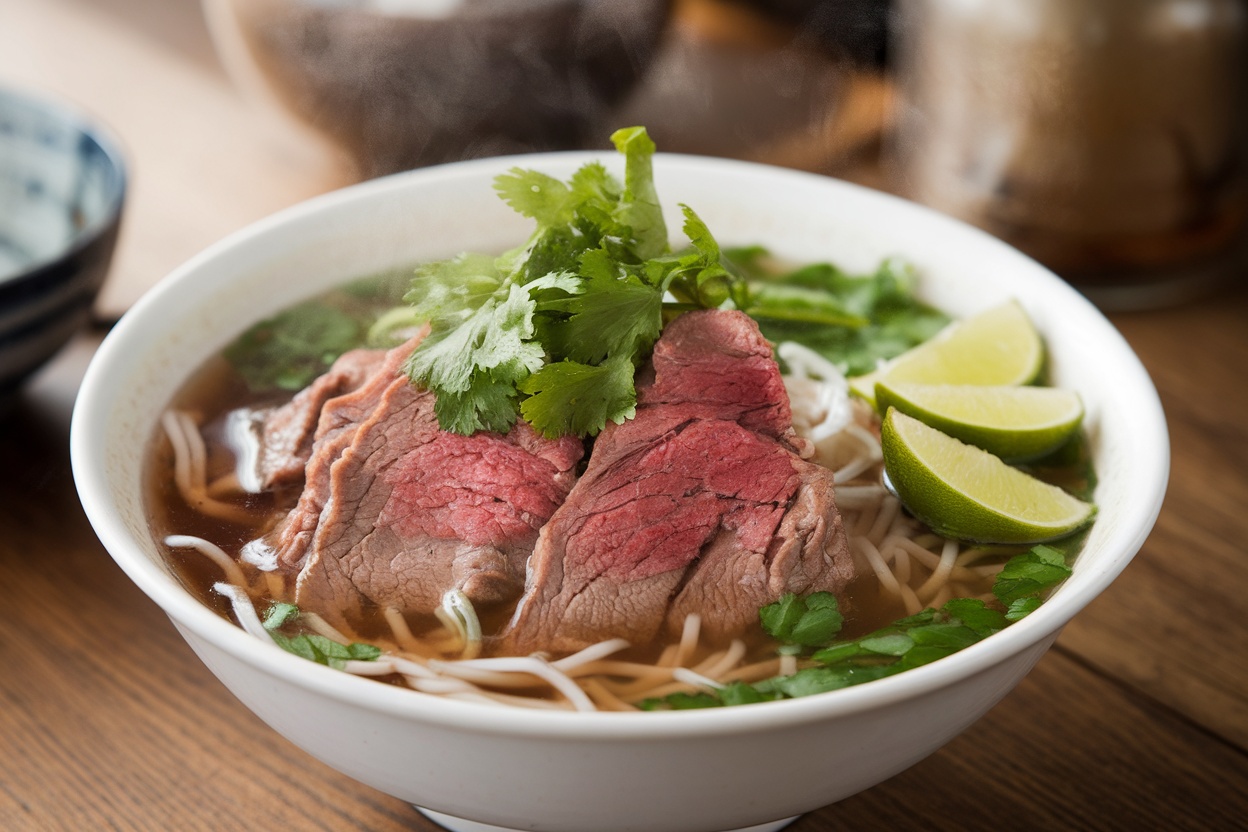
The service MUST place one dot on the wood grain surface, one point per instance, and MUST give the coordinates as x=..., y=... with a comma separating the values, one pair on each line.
x=1136, y=720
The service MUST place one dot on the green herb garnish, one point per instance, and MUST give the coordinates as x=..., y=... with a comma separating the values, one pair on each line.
x=312, y=646
x=289, y=350
x=555, y=328
x=805, y=622
x=812, y=622
x=553, y=331
x=853, y=321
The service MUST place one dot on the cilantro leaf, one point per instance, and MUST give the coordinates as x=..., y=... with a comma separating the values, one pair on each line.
x=1030, y=573
x=611, y=316
x=474, y=367
x=976, y=615
x=699, y=277
x=486, y=405
x=535, y=195
x=778, y=302
x=573, y=398
x=639, y=207
x=553, y=329
x=812, y=621
x=447, y=291
x=1022, y=607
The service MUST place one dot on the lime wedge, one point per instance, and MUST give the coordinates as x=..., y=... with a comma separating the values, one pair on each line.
x=998, y=346
x=1015, y=423
x=967, y=493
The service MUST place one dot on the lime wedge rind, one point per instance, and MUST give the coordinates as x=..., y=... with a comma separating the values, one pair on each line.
x=966, y=493
x=1018, y=424
x=998, y=346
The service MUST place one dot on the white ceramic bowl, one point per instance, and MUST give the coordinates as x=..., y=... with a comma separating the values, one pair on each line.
x=568, y=772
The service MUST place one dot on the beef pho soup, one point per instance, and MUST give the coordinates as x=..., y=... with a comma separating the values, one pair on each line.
x=589, y=473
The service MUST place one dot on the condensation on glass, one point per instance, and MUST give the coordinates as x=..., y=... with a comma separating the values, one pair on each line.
x=1106, y=138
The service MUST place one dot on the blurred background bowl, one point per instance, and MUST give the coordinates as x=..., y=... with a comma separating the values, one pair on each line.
x=397, y=84
x=62, y=186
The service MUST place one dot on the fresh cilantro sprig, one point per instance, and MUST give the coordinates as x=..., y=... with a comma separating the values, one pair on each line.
x=802, y=624
x=553, y=330
x=311, y=646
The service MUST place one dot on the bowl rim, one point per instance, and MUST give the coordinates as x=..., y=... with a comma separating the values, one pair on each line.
x=188, y=612
x=90, y=127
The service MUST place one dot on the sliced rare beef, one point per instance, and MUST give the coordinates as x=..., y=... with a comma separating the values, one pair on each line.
x=714, y=365
x=701, y=504
x=287, y=432
x=396, y=511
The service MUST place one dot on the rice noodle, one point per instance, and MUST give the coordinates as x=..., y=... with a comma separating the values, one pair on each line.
x=458, y=614
x=190, y=466
x=233, y=572
x=688, y=639
x=403, y=635
x=275, y=584
x=890, y=507
x=901, y=565
x=603, y=698
x=225, y=485
x=887, y=580
x=633, y=670
x=244, y=610
x=590, y=654
x=358, y=667
x=829, y=408
x=858, y=496
x=322, y=627
x=910, y=600
x=716, y=666
x=532, y=665
x=754, y=672
x=948, y=557
x=697, y=680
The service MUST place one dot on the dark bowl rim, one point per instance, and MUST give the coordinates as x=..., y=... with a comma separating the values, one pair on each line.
x=109, y=143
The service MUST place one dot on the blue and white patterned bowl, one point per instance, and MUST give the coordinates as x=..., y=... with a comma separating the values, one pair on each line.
x=62, y=186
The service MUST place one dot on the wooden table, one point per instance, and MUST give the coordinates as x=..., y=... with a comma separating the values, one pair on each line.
x=1136, y=720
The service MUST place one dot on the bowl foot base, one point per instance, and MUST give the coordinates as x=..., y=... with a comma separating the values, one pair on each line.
x=455, y=824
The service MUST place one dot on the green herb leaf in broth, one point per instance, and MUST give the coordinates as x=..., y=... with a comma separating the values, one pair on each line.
x=853, y=321
x=809, y=621
x=313, y=646
x=1031, y=573
x=289, y=350
x=906, y=643
x=280, y=613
